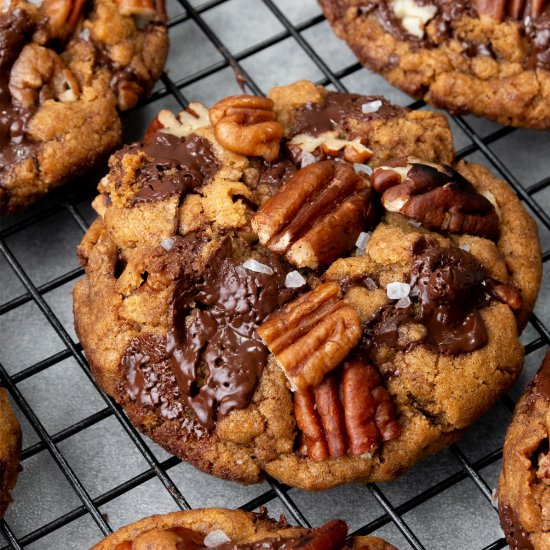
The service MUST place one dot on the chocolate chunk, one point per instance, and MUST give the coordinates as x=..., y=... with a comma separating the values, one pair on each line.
x=538, y=30
x=176, y=166
x=315, y=118
x=452, y=288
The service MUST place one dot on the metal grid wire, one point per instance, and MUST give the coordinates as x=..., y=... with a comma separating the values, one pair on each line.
x=389, y=510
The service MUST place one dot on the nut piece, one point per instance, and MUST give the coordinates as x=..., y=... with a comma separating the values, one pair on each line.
x=62, y=16
x=436, y=196
x=39, y=74
x=317, y=215
x=413, y=17
x=312, y=335
x=350, y=411
x=354, y=150
x=140, y=8
x=128, y=93
x=246, y=124
x=187, y=121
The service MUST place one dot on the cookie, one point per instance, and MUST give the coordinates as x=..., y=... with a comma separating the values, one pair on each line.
x=491, y=59
x=269, y=290
x=232, y=529
x=66, y=68
x=10, y=451
x=523, y=492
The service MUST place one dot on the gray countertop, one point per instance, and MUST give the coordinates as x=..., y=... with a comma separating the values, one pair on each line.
x=42, y=240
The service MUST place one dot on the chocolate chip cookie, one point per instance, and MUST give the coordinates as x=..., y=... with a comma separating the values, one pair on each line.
x=10, y=450
x=233, y=530
x=275, y=285
x=523, y=491
x=490, y=58
x=65, y=68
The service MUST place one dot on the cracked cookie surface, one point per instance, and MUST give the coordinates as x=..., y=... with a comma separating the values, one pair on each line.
x=257, y=316
x=223, y=529
x=66, y=69
x=491, y=58
x=523, y=492
x=10, y=450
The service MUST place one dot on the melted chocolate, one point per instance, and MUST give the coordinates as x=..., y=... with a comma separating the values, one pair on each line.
x=212, y=359
x=452, y=288
x=538, y=30
x=16, y=28
x=517, y=537
x=315, y=118
x=274, y=175
x=177, y=165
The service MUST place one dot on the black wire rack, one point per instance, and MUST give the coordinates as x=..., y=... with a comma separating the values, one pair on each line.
x=480, y=145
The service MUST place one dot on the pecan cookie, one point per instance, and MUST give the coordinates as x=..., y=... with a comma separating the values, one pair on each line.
x=523, y=492
x=486, y=57
x=10, y=450
x=65, y=67
x=223, y=529
x=235, y=306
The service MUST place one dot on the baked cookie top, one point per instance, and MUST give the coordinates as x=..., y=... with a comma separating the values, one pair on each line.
x=523, y=489
x=223, y=529
x=490, y=58
x=10, y=450
x=65, y=67
x=269, y=289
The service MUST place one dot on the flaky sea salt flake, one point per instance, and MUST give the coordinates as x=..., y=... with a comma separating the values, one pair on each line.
x=362, y=168
x=215, y=538
x=397, y=290
x=370, y=284
x=294, y=280
x=167, y=244
x=362, y=240
x=403, y=303
x=371, y=107
x=307, y=159
x=466, y=247
x=258, y=267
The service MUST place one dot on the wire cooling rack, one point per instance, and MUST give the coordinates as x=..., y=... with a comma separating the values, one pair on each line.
x=86, y=470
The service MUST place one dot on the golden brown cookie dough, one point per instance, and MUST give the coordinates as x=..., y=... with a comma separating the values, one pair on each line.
x=277, y=317
x=65, y=68
x=10, y=450
x=523, y=490
x=491, y=59
x=232, y=529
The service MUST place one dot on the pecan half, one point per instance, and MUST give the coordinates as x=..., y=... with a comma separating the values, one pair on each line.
x=247, y=125
x=518, y=9
x=350, y=411
x=62, y=16
x=195, y=116
x=317, y=215
x=39, y=74
x=436, y=196
x=312, y=335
